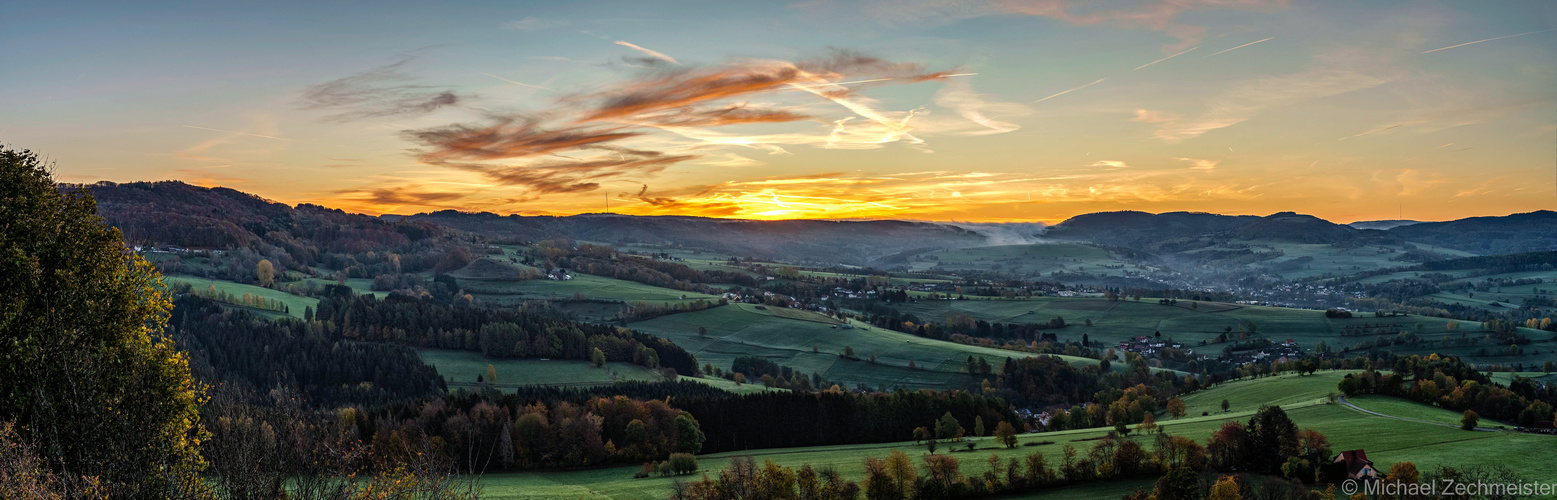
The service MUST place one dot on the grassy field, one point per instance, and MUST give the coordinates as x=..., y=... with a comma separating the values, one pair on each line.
x=593, y=287
x=460, y=369
x=357, y=284
x=1506, y=377
x=811, y=343
x=1025, y=260
x=295, y=304
x=1283, y=390
x=1190, y=323
x=1413, y=410
x=1386, y=440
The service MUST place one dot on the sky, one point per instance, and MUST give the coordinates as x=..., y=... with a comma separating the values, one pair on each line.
x=953, y=110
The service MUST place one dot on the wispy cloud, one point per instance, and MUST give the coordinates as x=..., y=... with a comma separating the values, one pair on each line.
x=1488, y=40
x=377, y=92
x=1156, y=15
x=649, y=52
x=1199, y=164
x=1110, y=164
x=665, y=115
x=534, y=24
x=1328, y=75
x=518, y=83
x=1149, y=116
x=240, y=133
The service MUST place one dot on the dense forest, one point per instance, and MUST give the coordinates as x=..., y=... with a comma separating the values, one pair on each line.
x=224, y=233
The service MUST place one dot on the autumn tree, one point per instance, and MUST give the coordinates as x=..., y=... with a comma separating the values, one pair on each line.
x=265, y=272
x=1176, y=407
x=90, y=375
x=1006, y=434
x=1469, y=419
x=1148, y=425
x=1225, y=488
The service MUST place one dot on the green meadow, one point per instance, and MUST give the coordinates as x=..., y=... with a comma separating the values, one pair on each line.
x=460, y=369
x=295, y=304
x=1386, y=440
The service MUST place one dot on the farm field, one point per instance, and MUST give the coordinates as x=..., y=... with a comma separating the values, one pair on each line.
x=460, y=369
x=1386, y=440
x=810, y=343
x=295, y=304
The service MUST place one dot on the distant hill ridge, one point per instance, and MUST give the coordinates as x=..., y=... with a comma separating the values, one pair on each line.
x=175, y=213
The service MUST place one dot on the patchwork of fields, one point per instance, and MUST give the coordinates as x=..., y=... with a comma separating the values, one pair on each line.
x=812, y=343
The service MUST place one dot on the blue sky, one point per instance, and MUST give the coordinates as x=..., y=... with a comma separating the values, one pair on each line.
x=1001, y=110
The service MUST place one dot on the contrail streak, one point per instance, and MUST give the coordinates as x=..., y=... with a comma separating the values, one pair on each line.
x=1244, y=45
x=651, y=52
x=1486, y=40
x=1186, y=51
x=1372, y=131
x=242, y=133
x=1100, y=80
x=517, y=83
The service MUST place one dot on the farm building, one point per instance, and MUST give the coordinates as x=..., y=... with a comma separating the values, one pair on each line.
x=1357, y=464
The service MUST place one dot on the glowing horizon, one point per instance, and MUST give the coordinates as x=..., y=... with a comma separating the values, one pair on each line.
x=935, y=110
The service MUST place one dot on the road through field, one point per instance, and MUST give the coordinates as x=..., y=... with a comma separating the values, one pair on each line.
x=1348, y=404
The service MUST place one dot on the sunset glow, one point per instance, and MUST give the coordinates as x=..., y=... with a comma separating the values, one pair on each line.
x=1006, y=110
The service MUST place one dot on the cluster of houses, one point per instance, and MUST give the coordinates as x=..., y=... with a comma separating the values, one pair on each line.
x=559, y=274
x=178, y=250
x=1148, y=347
x=1286, y=351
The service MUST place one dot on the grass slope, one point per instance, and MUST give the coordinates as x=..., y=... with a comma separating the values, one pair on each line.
x=593, y=287
x=295, y=304
x=460, y=369
x=1386, y=440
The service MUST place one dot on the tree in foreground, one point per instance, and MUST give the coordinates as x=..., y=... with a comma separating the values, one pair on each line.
x=90, y=377
x=1469, y=419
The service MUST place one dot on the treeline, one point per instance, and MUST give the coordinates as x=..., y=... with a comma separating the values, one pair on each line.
x=783, y=419
x=500, y=333
x=1447, y=382
x=1041, y=381
x=1270, y=445
x=1497, y=264
x=236, y=347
